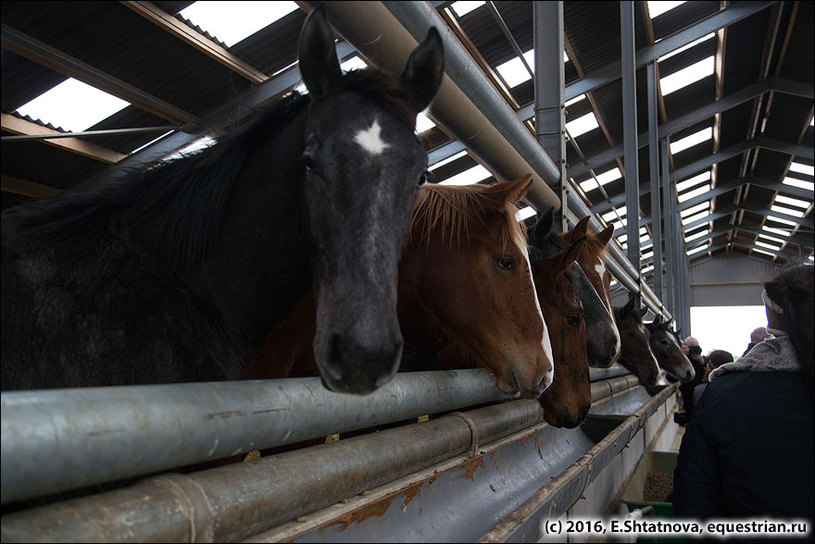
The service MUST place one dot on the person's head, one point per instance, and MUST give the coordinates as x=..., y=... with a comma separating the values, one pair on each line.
x=691, y=346
x=789, y=299
x=718, y=357
x=759, y=335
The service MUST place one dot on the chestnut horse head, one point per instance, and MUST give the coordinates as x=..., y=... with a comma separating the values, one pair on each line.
x=601, y=332
x=466, y=275
x=636, y=354
x=668, y=352
x=567, y=401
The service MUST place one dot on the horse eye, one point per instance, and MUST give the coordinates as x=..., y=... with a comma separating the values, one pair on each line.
x=308, y=162
x=423, y=178
x=505, y=262
x=573, y=320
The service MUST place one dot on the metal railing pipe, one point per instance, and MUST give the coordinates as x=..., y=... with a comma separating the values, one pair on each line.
x=101, y=434
x=235, y=501
x=476, y=88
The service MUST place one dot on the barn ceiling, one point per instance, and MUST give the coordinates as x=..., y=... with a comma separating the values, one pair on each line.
x=741, y=131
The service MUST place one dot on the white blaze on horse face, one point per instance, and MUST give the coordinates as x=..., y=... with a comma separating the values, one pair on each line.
x=601, y=270
x=546, y=343
x=370, y=139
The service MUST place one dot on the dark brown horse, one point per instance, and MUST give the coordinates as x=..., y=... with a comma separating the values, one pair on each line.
x=567, y=401
x=636, y=354
x=464, y=279
x=604, y=342
x=668, y=352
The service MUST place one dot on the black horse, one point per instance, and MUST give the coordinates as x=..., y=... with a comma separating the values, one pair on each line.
x=177, y=272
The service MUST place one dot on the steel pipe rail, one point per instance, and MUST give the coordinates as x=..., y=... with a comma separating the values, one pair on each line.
x=56, y=440
x=242, y=499
x=375, y=32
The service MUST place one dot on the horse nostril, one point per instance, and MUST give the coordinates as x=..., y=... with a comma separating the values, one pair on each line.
x=332, y=366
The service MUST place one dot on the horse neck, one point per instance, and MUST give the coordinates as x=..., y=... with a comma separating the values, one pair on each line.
x=256, y=267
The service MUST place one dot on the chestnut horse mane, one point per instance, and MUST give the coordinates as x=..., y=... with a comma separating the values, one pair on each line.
x=451, y=210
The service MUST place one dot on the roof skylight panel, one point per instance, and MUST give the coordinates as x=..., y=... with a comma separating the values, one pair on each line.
x=233, y=21
x=757, y=250
x=608, y=216
x=772, y=238
x=686, y=76
x=353, y=63
x=695, y=209
x=775, y=230
x=686, y=184
x=695, y=192
x=468, y=177
x=694, y=139
x=657, y=8
x=685, y=47
x=606, y=177
x=759, y=243
x=698, y=249
x=423, y=123
x=792, y=201
x=786, y=211
x=525, y=213
x=782, y=220
x=73, y=106
x=582, y=125
x=448, y=160
x=691, y=218
x=647, y=269
x=575, y=100
x=463, y=7
x=696, y=235
x=799, y=183
x=802, y=168
x=514, y=72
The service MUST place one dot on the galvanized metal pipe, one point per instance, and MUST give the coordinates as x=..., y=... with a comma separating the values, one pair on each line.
x=653, y=165
x=56, y=440
x=549, y=79
x=242, y=499
x=476, y=89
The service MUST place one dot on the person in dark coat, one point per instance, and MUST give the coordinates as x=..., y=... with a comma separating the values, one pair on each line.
x=692, y=350
x=758, y=335
x=749, y=448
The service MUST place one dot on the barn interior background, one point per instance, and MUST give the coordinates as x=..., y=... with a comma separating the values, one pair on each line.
x=707, y=106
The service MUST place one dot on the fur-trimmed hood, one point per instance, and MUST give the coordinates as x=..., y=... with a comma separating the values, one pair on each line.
x=775, y=354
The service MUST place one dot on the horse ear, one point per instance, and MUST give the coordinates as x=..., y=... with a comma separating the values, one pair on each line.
x=604, y=237
x=543, y=228
x=571, y=253
x=642, y=312
x=319, y=65
x=424, y=69
x=580, y=229
x=629, y=306
x=499, y=194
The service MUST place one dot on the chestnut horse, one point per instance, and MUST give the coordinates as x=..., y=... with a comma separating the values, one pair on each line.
x=636, y=354
x=603, y=349
x=464, y=279
x=668, y=352
x=567, y=401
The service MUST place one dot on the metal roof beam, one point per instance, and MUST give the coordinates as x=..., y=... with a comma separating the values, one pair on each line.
x=697, y=116
x=27, y=188
x=50, y=57
x=198, y=41
x=16, y=125
x=651, y=53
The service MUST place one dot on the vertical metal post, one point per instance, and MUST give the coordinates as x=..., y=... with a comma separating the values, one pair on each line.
x=632, y=195
x=653, y=163
x=550, y=83
x=670, y=241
